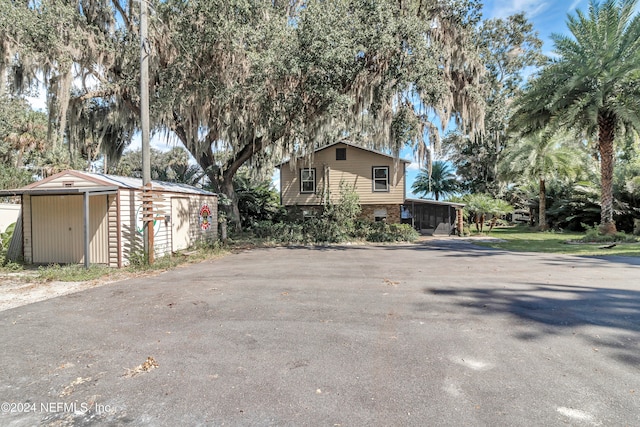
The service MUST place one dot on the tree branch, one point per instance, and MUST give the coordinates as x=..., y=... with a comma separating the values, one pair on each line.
x=125, y=17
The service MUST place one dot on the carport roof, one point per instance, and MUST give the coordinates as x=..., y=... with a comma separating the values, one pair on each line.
x=92, y=191
x=434, y=202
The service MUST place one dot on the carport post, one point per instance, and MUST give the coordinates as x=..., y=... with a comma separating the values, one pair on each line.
x=85, y=199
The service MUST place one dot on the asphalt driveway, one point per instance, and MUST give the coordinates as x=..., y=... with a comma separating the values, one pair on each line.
x=432, y=334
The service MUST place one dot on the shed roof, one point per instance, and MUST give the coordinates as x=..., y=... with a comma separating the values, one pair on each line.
x=99, y=183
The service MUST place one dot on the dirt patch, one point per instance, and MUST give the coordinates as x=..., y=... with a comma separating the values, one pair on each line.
x=18, y=289
x=24, y=287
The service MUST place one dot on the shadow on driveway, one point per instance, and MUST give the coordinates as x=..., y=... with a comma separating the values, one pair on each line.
x=554, y=307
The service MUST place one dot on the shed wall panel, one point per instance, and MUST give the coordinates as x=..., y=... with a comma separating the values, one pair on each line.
x=65, y=180
x=26, y=229
x=180, y=220
x=113, y=230
x=132, y=225
x=161, y=227
x=131, y=239
x=196, y=229
x=98, y=230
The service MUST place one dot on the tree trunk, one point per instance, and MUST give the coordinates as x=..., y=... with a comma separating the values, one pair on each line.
x=606, y=137
x=542, y=206
x=494, y=221
x=232, y=210
x=64, y=95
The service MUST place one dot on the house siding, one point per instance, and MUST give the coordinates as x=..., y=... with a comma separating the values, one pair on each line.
x=356, y=171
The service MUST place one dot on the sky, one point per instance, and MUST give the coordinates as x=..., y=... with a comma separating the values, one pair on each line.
x=547, y=17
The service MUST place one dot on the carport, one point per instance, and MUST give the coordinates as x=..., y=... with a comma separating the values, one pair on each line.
x=70, y=221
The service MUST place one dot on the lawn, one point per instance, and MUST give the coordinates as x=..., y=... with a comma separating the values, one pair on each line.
x=523, y=239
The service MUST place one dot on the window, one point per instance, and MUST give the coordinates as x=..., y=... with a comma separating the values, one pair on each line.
x=308, y=213
x=379, y=215
x=341, y=154
x=308, y=180
x=381, y=178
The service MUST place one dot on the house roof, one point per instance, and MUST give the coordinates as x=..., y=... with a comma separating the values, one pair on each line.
x=103, y=183
x=350, y=145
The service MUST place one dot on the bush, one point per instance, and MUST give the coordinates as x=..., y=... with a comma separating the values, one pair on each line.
x=280, y=232
x=593, y=235
x=324, y=230
x=337, y=223
x=383, y=232
x=5, y=240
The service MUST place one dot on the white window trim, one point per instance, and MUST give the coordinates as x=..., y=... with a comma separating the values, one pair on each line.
x=373, y=179
x=313, y=170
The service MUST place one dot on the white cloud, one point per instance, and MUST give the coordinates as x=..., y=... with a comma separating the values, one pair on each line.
x=39, y=102
x=157, y=141
x=275, y=179
x=532, y=8
x=413, y=166
x=574, y=5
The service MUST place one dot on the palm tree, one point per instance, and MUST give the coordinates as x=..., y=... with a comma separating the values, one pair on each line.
x=440, y=182
x=592, y=85
x=479, y=206
x=539, y=157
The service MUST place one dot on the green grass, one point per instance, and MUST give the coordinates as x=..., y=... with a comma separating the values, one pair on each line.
x=77, y=272
x=523, y=239
x=72, y=273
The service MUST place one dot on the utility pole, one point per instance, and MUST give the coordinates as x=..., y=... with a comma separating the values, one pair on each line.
x=145, y=50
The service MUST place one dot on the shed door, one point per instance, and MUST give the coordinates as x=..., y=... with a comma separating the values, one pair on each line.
x=56, y=223
x=58, y=229
x=180, y=219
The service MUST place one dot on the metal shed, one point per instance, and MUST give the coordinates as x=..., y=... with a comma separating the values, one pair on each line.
x=86, y=218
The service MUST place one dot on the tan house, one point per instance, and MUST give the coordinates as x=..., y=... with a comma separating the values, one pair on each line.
x=90, y=218
x=379, y=180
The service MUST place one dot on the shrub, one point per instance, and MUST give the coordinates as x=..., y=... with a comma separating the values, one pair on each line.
x=5, y=240
x=279, y=232
x=383, y=232
x=337, y=223
x=593, y=235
